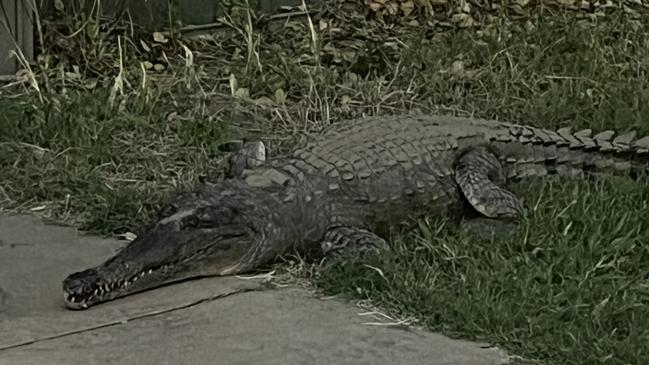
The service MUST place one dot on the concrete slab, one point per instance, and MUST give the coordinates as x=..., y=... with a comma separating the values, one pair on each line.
x=208, y=321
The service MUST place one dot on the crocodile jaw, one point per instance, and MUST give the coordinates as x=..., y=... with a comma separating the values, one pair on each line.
x=151, y=261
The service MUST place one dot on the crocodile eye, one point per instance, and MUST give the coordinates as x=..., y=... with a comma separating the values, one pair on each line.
x=168, y=210
x=207, y=216
x=190, y=222
x=210, y=216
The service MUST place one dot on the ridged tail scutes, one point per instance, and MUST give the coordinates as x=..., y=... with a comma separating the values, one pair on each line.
x=567, y=153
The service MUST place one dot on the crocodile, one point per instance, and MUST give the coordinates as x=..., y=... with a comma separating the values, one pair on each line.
x=334, y=194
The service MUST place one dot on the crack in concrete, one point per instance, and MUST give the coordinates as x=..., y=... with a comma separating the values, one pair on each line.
x=134, y=318
x=14, y=244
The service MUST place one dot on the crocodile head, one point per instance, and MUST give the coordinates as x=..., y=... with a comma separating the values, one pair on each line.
x=204, y=234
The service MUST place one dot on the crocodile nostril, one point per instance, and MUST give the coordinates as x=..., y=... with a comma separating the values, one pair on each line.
x=81, y=282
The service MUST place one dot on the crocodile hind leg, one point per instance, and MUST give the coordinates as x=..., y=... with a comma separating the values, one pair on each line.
x=478, y=173
x=347, y=240
x=245, y=156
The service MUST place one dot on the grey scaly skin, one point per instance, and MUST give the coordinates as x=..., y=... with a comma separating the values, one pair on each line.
x=334, y=193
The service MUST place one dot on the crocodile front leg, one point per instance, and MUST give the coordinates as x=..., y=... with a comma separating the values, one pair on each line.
x=344, y=240
x=478, y=174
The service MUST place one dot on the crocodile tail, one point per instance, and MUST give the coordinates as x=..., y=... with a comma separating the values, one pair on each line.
x=567, y=153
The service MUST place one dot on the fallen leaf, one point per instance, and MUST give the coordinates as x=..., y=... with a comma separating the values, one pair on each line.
x=171, y=116
x=90, y=83
x=159, y=37
x=457, y=68
x=322, y=25
x=242, y=92
x=407, y=7
x=463, y=20
x=128, y=236
x=72, y=75
x=264, y=101
x=633, y=13
x=280, y=96
x=233, y=84
x=392, y=8
x=145, y=46
x=375, y=6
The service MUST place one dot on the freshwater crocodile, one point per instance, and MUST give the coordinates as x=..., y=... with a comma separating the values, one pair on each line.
x=336, y=192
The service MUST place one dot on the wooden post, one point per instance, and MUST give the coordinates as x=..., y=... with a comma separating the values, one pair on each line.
x=16, y=29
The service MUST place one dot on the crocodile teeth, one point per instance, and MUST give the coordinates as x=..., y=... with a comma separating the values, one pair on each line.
x=150, y=271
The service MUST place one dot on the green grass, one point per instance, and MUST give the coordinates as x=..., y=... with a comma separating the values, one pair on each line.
x=570, y=286
x=104, y=169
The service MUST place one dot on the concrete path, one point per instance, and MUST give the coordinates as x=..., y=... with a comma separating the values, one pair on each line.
x=208, y=321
